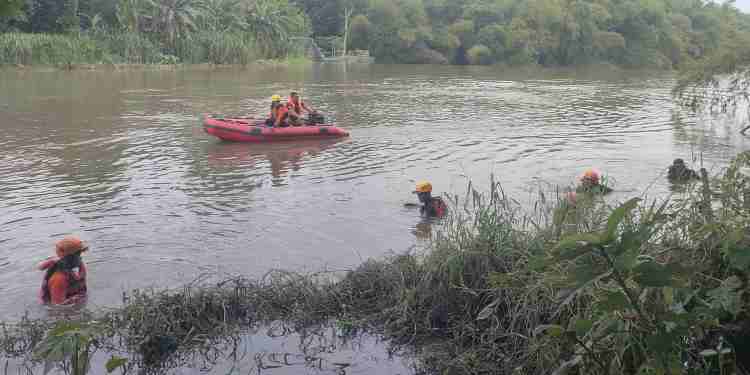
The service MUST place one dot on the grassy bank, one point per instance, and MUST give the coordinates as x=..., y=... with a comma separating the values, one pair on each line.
x=121, y=48
x=585, y=288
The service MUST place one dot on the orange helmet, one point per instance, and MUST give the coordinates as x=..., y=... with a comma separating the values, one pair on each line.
x=70, y=245
x=591, y=175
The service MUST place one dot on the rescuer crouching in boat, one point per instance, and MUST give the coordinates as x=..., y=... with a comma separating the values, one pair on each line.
x=65, y=277
x=431, y=206
x=591, y=183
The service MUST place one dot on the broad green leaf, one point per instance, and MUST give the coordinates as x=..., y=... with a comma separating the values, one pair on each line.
x=627, y=259
x=583, y=326
x=661, y=343
x=114, y=363
x=628, y=239
x=574, y=246
x=617, y=216
x=727, y=296
x=739, y=257
x=653, y=274
x=553, y=330
x=582, y=286
x=64, y=328
x=613, y=301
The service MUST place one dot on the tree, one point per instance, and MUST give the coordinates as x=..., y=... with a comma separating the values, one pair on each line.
x=45, y=15
x=495, y=38
x=173, y=19
x=360, y=32
x=10, y=8
x=131, y=14
x=480, y=55
x=719, y=83
x=273, y=23
x=221, y=15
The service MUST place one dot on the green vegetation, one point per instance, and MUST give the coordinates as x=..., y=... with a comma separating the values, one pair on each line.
x=584, y=288
x=630, y=33
x=719, y=83
x=61, y=32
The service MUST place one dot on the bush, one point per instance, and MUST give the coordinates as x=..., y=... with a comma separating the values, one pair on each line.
x=480, y=55
x=359, y=32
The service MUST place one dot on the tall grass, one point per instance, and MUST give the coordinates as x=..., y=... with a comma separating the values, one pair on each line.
x=117, y=47
x=216, y=48
x=128, y=48
x=48, y=49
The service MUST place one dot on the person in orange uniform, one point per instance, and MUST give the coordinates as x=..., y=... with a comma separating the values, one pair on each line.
x=279, y=115
x=295, y=106
x=591, y=183
x=65, y=274
x=431, y=206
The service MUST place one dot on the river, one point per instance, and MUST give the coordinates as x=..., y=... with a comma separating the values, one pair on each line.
x=120, y=158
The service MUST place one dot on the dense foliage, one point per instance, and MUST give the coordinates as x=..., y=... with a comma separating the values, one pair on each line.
x=632, y=33
x=635, y=33
x=152, y=31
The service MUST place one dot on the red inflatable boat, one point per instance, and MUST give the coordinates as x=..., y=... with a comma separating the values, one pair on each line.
x=253, y=130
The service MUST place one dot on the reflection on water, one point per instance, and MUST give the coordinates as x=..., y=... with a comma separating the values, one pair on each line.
x=274, y=349
x=121, y=158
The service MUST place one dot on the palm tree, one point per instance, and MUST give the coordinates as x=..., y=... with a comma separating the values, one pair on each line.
x=175, y=18
x=131, y=14
x=221, y=15
x=273, y=23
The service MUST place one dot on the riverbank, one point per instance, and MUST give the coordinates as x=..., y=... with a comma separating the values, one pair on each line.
x=585, y=286
x=257, y=64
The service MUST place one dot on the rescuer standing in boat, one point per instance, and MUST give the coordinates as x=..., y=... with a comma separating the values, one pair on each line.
x=65, y=277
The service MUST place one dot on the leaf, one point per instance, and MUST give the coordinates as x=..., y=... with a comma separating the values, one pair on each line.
x=583, y=326
x=581, y=287
x=653, y=274
x=739, y=257
x=628, y=259
x=488, y=310
x=574, y=246
x=553, y=330
x=708, y=353
x=727, y=296
x=614, y=301
x=617, y=216
x=661, y=343
x=64, y=328
x=114, y=363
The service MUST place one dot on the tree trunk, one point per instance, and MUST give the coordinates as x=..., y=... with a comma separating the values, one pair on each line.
x=347, y=14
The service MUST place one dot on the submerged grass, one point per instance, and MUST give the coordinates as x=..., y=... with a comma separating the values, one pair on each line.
x=572, y=287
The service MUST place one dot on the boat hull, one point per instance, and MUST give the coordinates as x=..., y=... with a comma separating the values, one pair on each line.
x=254, y=130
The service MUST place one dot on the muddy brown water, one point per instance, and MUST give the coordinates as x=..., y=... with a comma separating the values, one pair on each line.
x=121, y=159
